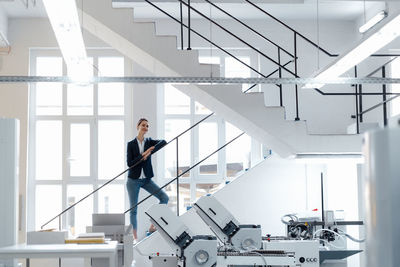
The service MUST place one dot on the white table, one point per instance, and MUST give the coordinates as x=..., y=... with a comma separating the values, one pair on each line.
x=24, y=251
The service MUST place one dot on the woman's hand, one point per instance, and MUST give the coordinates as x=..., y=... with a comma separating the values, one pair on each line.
x=147, y=153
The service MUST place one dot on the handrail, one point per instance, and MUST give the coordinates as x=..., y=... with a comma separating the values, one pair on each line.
x=290, y=28
x=79, y=201
x=111, y=180
x=250, y=28
x=238, y=38
x=186, y=171
x=205, y=38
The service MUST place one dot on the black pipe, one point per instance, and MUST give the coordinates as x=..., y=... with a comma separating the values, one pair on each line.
x=181, y=22
x=360, y=103
x=357, y=121
x=280, y=76
x=295, y=71
x=177, y=179
x=356, y=88
x=189, y=21
x=385, y=119
x=322, y=201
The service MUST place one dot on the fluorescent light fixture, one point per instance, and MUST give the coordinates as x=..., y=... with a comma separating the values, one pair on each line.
x=369, y=45
x=373, y=21
x=63, y=16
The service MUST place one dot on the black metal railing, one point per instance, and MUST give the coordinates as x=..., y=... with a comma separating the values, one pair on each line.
x=252, y=47
x=184, y=172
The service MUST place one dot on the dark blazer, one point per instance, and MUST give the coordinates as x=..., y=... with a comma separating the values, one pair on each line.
x=133, y=156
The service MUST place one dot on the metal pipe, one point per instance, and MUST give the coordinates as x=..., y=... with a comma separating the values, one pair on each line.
x=280, y=76
x=177, y=179
x=385, y=119
x=360, y=102
x=189, y=22
x=181, y=22
x=295, y=71
x=356, y=88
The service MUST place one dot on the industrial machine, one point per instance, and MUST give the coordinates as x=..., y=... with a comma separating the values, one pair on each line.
x=195, y=251
x=248, y=237
x=225, y=226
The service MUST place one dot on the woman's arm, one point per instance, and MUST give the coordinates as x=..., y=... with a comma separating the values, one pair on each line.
x=131, y=157
x=157, y=144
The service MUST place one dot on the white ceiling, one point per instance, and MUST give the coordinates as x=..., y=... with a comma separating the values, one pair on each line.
x=284, y=9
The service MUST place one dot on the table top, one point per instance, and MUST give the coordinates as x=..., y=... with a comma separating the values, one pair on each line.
x=107, y=247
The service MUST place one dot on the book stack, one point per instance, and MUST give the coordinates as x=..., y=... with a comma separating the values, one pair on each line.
x=87, y=238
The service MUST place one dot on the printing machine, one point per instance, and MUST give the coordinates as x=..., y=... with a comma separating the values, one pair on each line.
x=203, y=251
x=245, y=237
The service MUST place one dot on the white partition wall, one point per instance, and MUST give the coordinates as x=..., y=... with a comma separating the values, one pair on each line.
x=9, y=136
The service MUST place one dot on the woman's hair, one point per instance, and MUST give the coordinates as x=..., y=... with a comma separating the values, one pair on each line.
x=140, y=121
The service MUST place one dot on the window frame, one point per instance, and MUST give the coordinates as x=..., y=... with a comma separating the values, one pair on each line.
x=66, y=121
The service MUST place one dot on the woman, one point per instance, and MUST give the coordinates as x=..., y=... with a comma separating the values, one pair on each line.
x=140, y=150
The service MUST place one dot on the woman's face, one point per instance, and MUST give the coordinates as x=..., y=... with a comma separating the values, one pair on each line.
x=143, y=127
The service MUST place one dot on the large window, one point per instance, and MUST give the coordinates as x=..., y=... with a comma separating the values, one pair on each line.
x=180, y=113
x=77, y=142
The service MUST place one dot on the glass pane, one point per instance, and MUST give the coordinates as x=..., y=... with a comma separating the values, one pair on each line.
x=48, y=150
x=111, y=199
x=80, y=96
x=80, y=150
x=47, y=205
x=79, y=99
x=81, y=215
x=235, y=69
x=237, y=152
x=176, y=102
x=111, y=149
x=111, y=66
x=204, y=189
x=184, y=197
x=111, y=95
x=111, y=99
x=200, y=109
x=172, y=129
x=208, y=143
x=48, y=95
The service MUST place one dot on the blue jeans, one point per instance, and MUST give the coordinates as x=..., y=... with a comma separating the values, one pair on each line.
x=133, y=186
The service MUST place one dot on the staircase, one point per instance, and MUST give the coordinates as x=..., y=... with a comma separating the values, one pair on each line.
x=160, y=57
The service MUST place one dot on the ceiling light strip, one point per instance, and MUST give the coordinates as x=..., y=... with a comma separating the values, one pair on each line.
x=369, y=45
